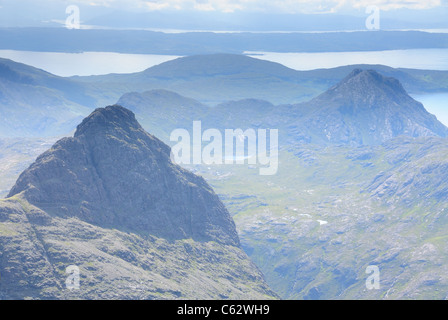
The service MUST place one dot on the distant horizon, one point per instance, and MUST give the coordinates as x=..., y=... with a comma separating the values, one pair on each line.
x=218, y=15
x=61, y=24
x=98, y=63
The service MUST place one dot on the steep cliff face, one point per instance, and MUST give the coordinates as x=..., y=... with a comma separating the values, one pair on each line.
x=114, y=174
x=110, y=202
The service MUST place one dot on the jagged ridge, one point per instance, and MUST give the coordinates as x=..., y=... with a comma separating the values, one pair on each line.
x=114, y=174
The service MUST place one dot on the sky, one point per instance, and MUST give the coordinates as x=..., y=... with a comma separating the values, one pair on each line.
x=248, y=15
x=279, y=6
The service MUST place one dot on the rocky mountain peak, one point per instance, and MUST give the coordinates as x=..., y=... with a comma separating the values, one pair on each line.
x=369, y=88
x=114, y=174
x=367, y=108
x=110, y=118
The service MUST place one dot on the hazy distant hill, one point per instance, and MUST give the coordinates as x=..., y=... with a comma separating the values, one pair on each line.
x=192, y=43
x=16, y=154
x=161, y=111
x=365, y=108
x=217, y=78
x=213, y=79
x=36, y=103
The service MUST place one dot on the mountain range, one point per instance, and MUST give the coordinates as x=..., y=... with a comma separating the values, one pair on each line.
x=35, y=103
x=192, y=43
x=110, y=202
x=368, y=191
x=364, y=108
x=361, y=182
x=38, y=104
x=217, y=78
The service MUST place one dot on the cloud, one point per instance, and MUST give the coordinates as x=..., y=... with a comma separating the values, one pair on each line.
x=289, y=6
x=397, y=4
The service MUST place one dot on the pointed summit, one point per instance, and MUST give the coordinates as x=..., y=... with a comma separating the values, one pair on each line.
x=368, y=89
x=110, y=118
x=367, y=108
x=115, y=175
x=369, y=77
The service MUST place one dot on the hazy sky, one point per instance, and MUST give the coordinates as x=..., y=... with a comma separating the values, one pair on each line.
x=279, y=6
x=287, y=6
x=185, y=14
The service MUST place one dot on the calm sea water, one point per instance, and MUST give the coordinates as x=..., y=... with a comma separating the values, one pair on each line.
x=94, y=63
x=86, y=63
x=431, y=59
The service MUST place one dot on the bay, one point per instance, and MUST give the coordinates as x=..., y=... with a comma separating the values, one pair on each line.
x=86, y=63
x=429, y=59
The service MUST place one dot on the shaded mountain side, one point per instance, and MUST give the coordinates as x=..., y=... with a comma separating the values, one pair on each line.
x=36, y=103
x=37, y=248
x=23, y=74
x=160, y=110
x=34, y=111
x=110, y=202
x=114, y=174
x=152, y=42
x=246, y=113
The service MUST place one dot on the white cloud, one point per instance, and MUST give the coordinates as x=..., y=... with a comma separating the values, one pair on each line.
x=397, y=4
x=290, y=6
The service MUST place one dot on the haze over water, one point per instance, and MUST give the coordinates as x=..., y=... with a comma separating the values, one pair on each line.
x=426, y=59
x=95, y=63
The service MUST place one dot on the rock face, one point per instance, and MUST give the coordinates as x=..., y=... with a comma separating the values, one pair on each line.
x=114, y=174
x=365, y=108
x=110, y=202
